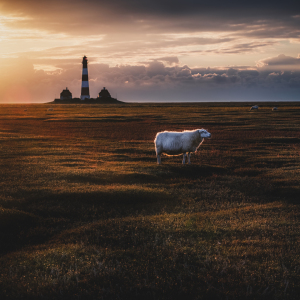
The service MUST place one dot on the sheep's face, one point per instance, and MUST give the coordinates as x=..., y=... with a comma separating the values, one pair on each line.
x=204, y=134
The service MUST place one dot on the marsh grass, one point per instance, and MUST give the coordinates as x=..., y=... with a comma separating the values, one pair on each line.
x=85, y=211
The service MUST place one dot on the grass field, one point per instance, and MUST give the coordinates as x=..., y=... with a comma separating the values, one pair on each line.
x=86, y=213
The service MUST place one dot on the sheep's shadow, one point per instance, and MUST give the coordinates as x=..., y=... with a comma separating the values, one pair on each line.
x=190, y=171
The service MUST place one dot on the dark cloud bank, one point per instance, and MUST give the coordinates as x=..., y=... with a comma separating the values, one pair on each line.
x=158, y=82
x=167, y=81
x=274, y=19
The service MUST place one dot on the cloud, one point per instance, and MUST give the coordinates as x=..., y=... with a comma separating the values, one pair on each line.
x=242, y=48
x=80, y=17
x=118, y=32
x=169, y=60
x=155, y=81
x=143, y=49
x=280, y=62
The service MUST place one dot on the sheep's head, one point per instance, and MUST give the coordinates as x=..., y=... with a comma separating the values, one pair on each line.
x=204, y=134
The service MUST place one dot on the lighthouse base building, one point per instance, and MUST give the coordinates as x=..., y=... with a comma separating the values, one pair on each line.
x=65, y=94
x=104, y=97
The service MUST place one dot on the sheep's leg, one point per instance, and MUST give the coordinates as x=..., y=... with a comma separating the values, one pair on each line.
x=158, y=159
x=184, y=157
x=189, y=158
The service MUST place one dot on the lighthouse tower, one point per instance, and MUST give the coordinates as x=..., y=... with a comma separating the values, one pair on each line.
x=85, y=91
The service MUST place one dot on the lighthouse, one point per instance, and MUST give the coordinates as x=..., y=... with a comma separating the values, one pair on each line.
x=85, y=91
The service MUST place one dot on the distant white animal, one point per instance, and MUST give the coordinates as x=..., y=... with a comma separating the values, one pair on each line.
x=274, y=108
x=254, y=107
x=50, y=109
x=175, y=143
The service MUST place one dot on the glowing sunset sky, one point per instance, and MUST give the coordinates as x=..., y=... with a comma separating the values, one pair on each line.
x=157, y=50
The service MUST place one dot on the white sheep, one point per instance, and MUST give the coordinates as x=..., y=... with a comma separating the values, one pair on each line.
x=254, y=107
x=175, y=143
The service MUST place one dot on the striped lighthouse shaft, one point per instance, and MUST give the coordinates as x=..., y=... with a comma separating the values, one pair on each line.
x=85, y=91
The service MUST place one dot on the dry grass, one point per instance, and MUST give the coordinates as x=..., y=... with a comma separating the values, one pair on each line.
x=85, y=211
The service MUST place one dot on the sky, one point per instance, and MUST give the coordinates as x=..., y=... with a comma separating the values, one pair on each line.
x=158, y=50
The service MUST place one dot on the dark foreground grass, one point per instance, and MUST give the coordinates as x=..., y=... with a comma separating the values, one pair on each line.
x=86, y=213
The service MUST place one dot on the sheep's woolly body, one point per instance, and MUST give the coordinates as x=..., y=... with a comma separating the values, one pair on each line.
x=175, y=143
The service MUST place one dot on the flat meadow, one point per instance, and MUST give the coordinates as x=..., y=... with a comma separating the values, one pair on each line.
x=86, y=212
